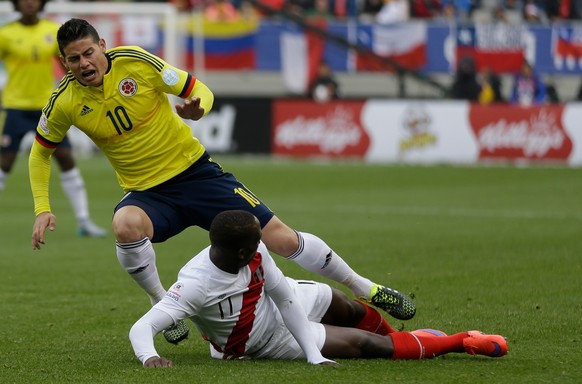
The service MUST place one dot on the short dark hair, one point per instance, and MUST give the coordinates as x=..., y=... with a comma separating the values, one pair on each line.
x=15, y=3
x=233, y=230
x=73, y=30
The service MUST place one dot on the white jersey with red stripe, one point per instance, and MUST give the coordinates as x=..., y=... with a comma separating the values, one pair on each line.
x=232, y=311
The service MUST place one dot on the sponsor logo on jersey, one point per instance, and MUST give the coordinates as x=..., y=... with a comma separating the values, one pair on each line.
x=86, y=110
x=173, y=295
x=127, y=87
x=42, y=124
x=170, y=76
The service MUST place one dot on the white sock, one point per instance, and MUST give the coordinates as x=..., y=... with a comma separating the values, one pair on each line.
x=316, y=256
x=74, y=187
x=139, y=260
x=3, y=177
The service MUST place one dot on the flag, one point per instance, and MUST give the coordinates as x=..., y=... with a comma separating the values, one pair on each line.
x=301, y=53
x=499, y=47
x=227, y=45
x=567, y=46
x=403, y=43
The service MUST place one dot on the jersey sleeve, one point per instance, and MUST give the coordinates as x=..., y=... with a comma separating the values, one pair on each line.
x=292, y=312
x=144, y=330
x=39, y=172
x=50, y=132
x=168, y=78
x=273, y=275
x=295, y=319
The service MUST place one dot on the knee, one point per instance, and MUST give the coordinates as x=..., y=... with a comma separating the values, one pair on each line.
x=279, y=238
x=7, y=161
x=130, y=224
x=283, y=243
x=343, y=311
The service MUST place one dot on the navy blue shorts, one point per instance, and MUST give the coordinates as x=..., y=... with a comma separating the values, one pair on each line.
x=194, y=198
x=17, y=124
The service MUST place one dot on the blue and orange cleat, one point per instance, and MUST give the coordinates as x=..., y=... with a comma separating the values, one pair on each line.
x=478, y=343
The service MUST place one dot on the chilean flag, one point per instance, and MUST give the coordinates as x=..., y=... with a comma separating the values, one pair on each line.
x=567, y=47
x=500, y=48
x=403, y=43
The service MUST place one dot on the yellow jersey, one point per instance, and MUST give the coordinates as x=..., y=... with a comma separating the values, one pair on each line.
x=129, y=117
x=29, y=53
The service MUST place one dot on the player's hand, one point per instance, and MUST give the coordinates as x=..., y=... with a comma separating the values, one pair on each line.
x=41, y=223
x=157, y=362
x=191, y=109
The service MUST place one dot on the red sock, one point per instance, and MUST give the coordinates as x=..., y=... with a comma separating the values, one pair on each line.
x=374, y=322
x=413, y=347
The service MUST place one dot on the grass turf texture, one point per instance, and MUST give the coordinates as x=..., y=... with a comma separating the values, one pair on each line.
x=489, y=248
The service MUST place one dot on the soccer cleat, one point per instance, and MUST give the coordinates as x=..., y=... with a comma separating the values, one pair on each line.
x=478, y=343
x=90, y=229
x=396, y=304
x=177, y=332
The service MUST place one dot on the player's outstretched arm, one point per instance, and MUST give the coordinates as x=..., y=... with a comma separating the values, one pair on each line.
x=141, y=336
x=41, y=223
x=296, y=321
x=39, y=171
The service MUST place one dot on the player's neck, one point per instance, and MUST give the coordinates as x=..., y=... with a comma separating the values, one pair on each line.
x=29, y=20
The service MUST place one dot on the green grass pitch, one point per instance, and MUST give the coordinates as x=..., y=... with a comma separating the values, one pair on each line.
x=497, y=249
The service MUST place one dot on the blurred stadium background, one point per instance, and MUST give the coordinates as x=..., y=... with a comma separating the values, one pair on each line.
x=403, y=94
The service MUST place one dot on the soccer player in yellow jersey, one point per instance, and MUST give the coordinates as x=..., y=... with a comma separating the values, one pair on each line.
x=118, y=97
x=28, y=48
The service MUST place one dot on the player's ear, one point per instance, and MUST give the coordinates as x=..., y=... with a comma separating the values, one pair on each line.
x=63, y=62
x=102, y=44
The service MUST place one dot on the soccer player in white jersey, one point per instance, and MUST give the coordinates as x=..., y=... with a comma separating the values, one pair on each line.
x=119, y=98
x=243, y=305
x=28, y=49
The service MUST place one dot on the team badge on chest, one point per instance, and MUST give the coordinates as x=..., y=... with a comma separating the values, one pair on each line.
x=127, y=87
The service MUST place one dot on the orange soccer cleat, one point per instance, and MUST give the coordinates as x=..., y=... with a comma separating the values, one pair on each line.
x=478, y=343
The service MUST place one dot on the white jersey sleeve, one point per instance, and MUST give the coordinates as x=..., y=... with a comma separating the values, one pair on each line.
x=144, y=330
x=296, y=320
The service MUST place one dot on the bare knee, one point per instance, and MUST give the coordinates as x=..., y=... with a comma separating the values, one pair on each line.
x=131, y=223
x=7, y=160
x=280, y=238
x=343, y=311
x=64, y=157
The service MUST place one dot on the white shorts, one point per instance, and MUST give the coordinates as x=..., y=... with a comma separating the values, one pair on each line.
x=315, y=299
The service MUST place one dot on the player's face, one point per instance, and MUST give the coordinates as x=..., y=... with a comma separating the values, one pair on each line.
x=28, y=7
x=86, y=60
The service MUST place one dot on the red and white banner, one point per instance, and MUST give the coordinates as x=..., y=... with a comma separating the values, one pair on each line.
x=306, y=128
x=427, y=132
x=507, y=132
